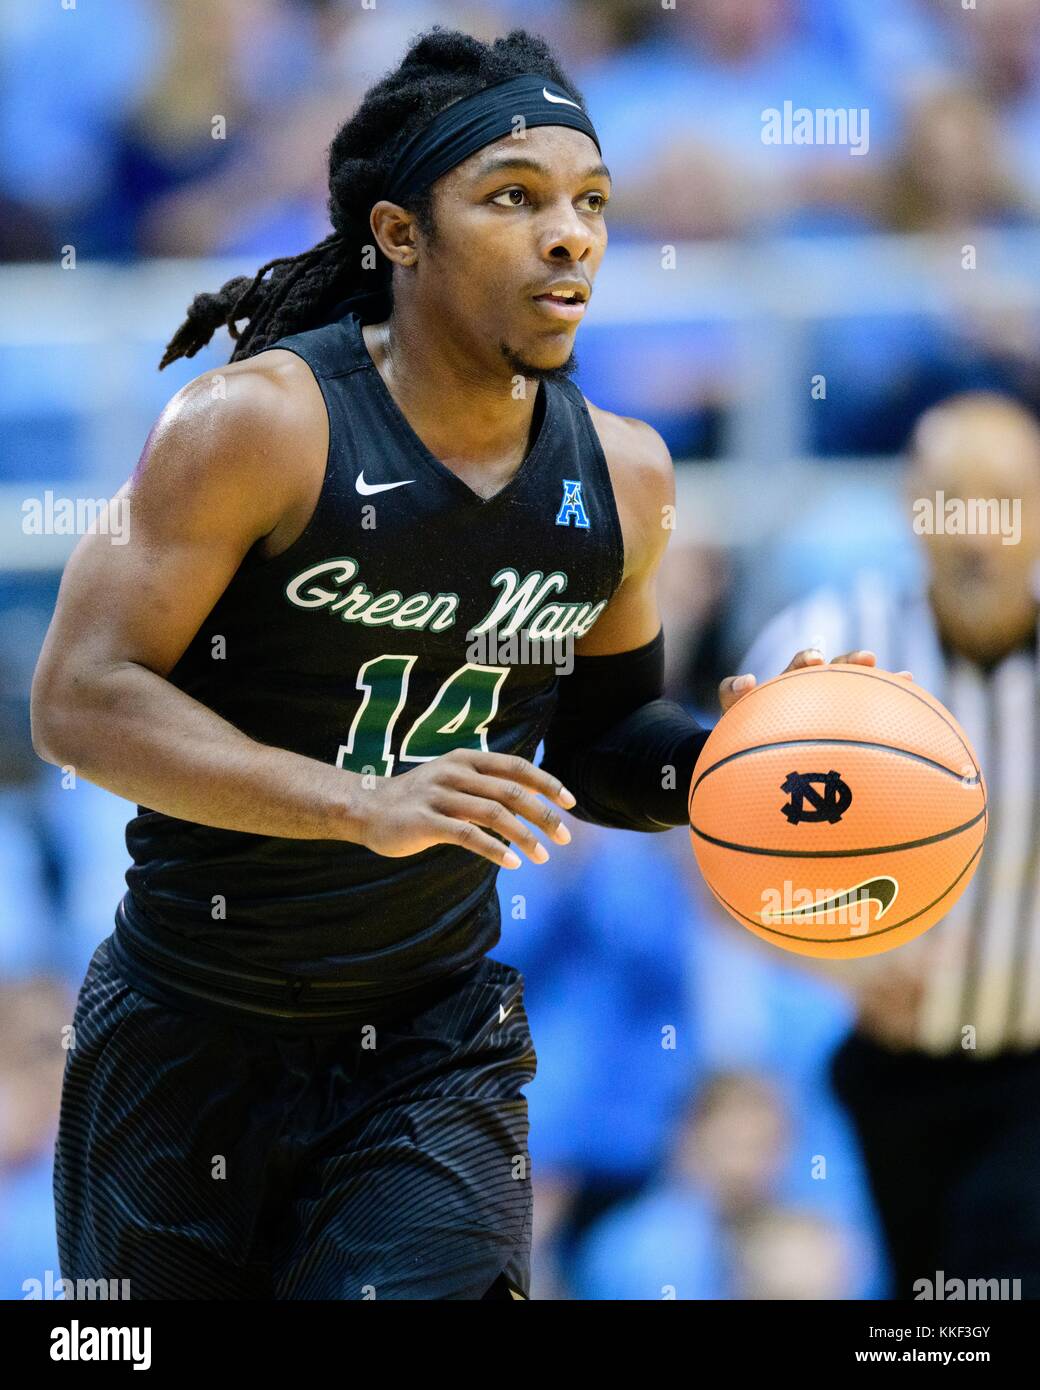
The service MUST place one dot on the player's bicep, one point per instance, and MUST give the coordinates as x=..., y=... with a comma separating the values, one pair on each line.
x=142, y=601
x=630, y=619
x=192, y=509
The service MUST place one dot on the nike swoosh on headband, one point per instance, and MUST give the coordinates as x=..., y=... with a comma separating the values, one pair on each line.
x=367, y=489
x=564, y=101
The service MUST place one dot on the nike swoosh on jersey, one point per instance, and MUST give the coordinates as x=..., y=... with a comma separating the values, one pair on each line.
x=367, y=489
x=564, y=101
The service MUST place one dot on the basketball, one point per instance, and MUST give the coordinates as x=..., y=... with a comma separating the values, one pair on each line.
x=838, y=811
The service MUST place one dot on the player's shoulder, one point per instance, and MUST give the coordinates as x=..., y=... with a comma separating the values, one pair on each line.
x=261, y=400
x=254, y=420
x=634, y=450
x=643, y=479
x=244, y=443
x=639, y=462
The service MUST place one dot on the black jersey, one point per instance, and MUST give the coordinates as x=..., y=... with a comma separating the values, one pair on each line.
x=355, y=646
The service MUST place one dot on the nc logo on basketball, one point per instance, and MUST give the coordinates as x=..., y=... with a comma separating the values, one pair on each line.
x=828, y=804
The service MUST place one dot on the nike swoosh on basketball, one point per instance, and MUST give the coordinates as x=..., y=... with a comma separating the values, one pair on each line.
x=882, y=890
x=564, y=101
x=367, y=489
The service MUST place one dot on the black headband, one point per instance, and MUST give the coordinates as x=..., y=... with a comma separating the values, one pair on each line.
x=475, y=121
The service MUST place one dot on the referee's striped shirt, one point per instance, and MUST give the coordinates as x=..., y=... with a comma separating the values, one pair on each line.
x=980, y=966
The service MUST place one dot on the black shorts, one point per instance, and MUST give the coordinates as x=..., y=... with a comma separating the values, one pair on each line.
x=198, y=1158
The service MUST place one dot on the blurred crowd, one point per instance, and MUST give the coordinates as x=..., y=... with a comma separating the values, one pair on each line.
x=684, y=1138
x=110, y=142
x=147, y=129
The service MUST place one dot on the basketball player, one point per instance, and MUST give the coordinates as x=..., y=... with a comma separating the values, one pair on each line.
x=942, y=1070
x=297, y=1073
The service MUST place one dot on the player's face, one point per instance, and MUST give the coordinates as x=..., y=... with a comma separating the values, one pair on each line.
x=510, y=221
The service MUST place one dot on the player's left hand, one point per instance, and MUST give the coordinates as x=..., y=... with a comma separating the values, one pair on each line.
x=734, y=688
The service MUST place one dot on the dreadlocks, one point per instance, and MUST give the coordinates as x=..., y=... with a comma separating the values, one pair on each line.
x=301, y=291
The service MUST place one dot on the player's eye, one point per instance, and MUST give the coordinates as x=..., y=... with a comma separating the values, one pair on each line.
x=518, y=197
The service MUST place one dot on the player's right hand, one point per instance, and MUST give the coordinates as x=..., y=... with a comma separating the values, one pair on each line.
x=457, y=799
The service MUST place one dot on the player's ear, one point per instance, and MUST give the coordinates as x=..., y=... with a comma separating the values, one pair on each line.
x=395, y=231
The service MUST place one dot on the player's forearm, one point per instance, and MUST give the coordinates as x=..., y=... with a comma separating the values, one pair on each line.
x=142, y=738
x=626, y=754
x=635, y=775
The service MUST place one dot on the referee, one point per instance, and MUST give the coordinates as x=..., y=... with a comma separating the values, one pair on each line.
x=941, y=1073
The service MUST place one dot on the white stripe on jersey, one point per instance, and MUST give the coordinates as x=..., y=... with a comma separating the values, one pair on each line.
x=1009, y=772
x=1027, y=974
x=980, y=965
x=947, y=947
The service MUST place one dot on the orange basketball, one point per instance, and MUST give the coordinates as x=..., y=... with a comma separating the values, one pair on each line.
x=838, y=811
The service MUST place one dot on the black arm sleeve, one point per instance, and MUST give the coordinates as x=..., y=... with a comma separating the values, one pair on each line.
x=626, y=754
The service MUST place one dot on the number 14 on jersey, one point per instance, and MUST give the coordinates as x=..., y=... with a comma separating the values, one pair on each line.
x=458, y=716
